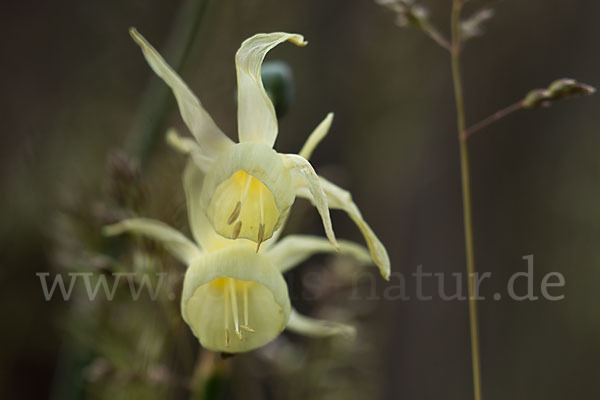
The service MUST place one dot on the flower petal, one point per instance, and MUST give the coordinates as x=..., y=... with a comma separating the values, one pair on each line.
x=193, y=179
x=257, y=121
x=318, y=328
x=294, y=249
x=182, y=144
x=309, y=181
x=175, y=242
x=342, y=199
x=316, y=136
x=204, y=303
x=210, y=138
x=238, y=203
x=189, y=146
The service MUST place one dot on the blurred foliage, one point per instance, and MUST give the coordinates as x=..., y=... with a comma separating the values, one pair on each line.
x=119, y=348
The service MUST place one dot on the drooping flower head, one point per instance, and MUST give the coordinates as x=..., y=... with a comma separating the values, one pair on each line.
x=249, y=187
x=234, y=298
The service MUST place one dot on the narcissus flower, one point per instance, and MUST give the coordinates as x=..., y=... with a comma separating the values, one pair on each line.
x=249, y=187
x=235, y=298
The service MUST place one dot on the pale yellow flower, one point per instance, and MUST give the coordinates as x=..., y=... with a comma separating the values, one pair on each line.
x=249, y=187
x=235, y=298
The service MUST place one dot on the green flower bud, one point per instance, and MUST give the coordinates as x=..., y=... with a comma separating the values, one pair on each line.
x=557, y=90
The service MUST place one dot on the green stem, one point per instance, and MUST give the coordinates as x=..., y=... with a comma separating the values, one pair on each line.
x=466, y=195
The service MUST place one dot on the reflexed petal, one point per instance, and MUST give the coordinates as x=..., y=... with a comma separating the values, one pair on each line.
x=189, y=146
x=309, y=181
x=341, y=199
x=318, y=328
x=177, y=244
x=201, y=229
x=208, y=311
x=316, y=136
x=182, y=144
x=294, y=249
x=257, y=121
x=247, y=187
x=211, y=139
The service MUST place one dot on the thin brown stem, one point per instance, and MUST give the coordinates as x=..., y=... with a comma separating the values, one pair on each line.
x=498, y=115
x=466, y=195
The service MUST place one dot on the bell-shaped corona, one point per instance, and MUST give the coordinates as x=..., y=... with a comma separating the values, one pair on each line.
x=235, y=300
x=247, y=192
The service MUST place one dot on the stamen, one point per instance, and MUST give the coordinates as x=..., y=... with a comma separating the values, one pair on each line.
x=226, y=295
x=261, y=226
x=236, y=230
x=246, y=304
x=260, y=199
x=235, y=214
x=234, y=308
x=245, y=326
x=247, y=188
x=261, y=236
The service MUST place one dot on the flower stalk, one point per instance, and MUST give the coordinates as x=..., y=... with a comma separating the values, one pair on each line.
x=498, y=115
x=466, y=194
x=557, y=90
x=411, y=14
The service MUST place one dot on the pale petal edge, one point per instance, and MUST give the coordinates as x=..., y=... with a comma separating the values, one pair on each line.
x=310, y=181
x=312, y=327
x=294, y=249
x=316, y=136
x=210, y=138
x=189, y=147
x=174, y=241
x=257, y=121
x=182, y=144
x=341, y=199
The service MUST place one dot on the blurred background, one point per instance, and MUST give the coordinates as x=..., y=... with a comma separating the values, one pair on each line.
x=76, y=88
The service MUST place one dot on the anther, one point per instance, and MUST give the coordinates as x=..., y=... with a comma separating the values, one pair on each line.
x=236, y=230
x=234, y=308
x=247, y=328
x=235, y=214
x=261, y=236
x=226, y=337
